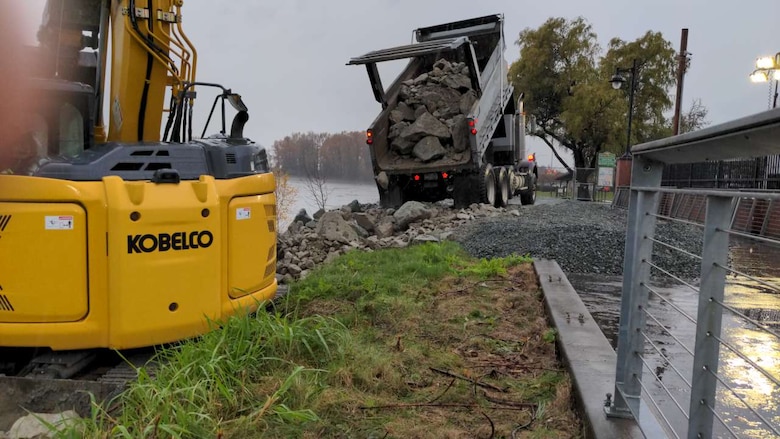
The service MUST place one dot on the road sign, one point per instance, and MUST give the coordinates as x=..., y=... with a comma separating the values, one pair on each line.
x=607, y=160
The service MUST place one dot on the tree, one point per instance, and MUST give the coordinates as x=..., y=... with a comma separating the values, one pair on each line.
x=342, y=156
x=565, y=79
x=695, y=118
x=285, y=194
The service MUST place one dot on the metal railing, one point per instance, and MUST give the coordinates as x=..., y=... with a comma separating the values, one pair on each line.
x=670, y=322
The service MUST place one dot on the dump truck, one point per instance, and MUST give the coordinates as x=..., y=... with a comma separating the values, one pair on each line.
x=451, y=124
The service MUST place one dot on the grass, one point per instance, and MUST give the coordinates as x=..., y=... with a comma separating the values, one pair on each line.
x=402, y=343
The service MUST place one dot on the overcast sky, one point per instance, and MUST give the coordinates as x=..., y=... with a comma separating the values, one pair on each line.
x=287, y=58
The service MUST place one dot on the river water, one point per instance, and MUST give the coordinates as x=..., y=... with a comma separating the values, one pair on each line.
x=339, y=193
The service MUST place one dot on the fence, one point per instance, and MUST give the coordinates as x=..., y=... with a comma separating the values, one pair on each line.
x=702, y=396
x=752, y=173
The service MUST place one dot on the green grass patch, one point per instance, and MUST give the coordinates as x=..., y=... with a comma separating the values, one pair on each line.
x=376, y=344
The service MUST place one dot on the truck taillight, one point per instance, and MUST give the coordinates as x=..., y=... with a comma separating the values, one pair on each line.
x=531, y=157
x=444, y=175
x=473, y=126
x=370, y=137
x=417, y=177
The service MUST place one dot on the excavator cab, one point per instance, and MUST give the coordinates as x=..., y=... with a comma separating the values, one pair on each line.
x=55, y=121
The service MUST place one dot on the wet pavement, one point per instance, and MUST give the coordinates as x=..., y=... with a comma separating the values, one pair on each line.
x=675, y=337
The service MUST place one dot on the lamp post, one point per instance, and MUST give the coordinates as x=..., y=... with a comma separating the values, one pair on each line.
x=623, y=174
x=767, y=69
x=617, y=82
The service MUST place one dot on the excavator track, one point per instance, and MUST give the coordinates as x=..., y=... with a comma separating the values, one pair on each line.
x=52, y=382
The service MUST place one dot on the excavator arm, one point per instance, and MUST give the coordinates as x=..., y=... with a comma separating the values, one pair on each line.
x=150, y=58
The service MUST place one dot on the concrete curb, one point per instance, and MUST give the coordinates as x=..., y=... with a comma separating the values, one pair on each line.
x=586, y=352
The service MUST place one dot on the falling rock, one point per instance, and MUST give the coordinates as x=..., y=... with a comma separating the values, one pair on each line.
x=426, y=125
x=294, y=227
x=382, y=180
x=458, y=82
x=421, y=79
x=361, y=232
x=429, y=149
x=446, y=236
x=35, y=425
x=407, y=112
x=365, y=220
x=402, y=145
x=396, y=116
x=421, y=239
x=467, y=101
x=384, y=229
x=397, y=129
x=355, y=206
x=405, y=92
x=460, y=133
x=410, y=212
x=302, y=216
x=332, y=226
x=294, y=269
x=332, y=256
x=442, y=98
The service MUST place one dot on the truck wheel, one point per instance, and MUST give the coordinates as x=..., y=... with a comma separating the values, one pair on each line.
x=502, y=187
x=528, y=197
x=487, y=185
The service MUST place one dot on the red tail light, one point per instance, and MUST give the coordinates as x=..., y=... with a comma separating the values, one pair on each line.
x=472, y=122
x=532, y=157
x=369, y=137
x=416, y=178
x=444, y=175
x=474, y=131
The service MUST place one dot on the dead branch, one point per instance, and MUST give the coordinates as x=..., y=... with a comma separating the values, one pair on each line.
x=475, y=382
x=443, y=405
x=442, y=393
x=492, y=426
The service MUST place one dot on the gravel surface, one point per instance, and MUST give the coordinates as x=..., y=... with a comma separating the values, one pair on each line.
x=583, y=237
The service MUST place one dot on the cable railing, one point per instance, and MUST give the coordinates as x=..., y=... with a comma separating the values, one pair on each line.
x=699, y=327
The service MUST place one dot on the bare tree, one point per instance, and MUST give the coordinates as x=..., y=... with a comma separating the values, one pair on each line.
x=695, y=118
x=316, y=183
x=285, y=194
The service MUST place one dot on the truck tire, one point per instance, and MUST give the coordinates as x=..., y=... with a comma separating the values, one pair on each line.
x=487, y=185
x=528, y=197
x=502, y=187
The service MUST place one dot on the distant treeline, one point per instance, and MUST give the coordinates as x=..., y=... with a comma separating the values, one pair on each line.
x=339, y=156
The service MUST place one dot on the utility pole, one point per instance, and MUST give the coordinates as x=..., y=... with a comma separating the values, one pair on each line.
x=683, y=61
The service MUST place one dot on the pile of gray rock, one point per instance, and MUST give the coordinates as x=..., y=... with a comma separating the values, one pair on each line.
x=310, y=242
x=429, y=122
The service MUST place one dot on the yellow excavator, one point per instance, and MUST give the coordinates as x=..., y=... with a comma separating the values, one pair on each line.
x=118, y=228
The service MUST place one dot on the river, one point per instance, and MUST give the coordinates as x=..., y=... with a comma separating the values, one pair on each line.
x=339, y=193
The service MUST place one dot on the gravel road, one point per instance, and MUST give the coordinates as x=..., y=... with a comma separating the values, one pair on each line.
x=583, y=237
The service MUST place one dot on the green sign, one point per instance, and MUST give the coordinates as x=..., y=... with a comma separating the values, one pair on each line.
x=606, y=160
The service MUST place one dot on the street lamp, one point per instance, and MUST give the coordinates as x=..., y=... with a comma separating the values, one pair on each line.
x=767, y=69
x=617, y=82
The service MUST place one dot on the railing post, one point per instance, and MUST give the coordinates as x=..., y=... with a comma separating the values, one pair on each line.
x=707, y=348
x=628, y=373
